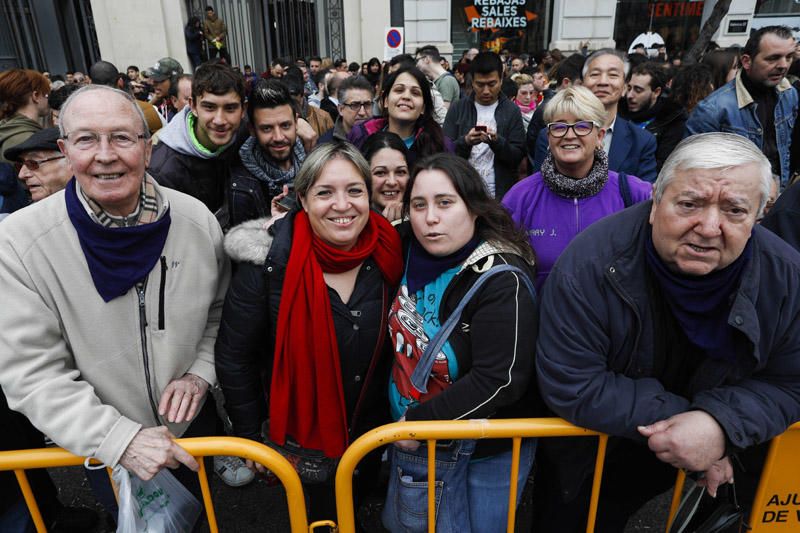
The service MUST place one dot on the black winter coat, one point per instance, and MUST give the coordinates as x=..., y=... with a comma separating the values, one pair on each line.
x=246, y=340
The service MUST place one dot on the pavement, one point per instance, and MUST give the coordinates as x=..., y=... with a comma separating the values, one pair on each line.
x=259, y=507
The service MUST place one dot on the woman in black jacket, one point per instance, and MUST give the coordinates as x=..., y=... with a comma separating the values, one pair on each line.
x=304, y=321
x=484, y=369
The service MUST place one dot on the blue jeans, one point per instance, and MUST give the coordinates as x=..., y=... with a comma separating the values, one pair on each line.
x=17, y=519
x=470, y=495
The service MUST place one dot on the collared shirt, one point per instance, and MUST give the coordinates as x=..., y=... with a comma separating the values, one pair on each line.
x=609, y=136
x=147, y=209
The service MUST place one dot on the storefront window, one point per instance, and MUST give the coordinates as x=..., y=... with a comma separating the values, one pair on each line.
x=678, y=23
x=516, y=25
x=770, y=8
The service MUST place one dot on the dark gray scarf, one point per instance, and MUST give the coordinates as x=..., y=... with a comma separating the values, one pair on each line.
x=260, y=165
x=569, y=187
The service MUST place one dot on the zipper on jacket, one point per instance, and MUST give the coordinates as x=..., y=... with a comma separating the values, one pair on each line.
x=143, y=332
x=577, y=216
x=161, y=292
x=611, y=273
x=376, y=354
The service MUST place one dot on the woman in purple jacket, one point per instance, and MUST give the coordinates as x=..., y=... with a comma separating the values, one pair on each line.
x=574, y=187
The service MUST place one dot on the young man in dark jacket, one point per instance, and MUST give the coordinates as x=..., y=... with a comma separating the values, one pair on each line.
x=197, y=149
x=671, y=326
x=487, y=127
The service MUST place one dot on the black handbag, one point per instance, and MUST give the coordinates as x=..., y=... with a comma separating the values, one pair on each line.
x=312, y=466
x=715, y=515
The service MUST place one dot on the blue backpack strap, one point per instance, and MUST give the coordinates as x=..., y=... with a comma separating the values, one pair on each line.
x=422, y=372
x=625, y=189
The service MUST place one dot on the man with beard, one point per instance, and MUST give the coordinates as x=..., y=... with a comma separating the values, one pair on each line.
x=759, y=103
x=270, y=158
x=646, y=106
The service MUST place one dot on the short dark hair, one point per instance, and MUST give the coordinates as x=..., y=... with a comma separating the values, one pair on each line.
x=217, y=78
x=404, y=60
x=248, y=67
x=282, y=61
x=354, y=67
x=429, y=51
x=354, y=82
x=658, y=77
x=485, y=63
x=269, y=94
x=339, y=62
x=132, y=67
x=315, y=58
x=753, y=44
x=570, y=68
x=209, y=8
x=60, y=95
x=104, y=73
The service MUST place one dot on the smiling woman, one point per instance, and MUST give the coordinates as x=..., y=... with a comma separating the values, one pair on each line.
x=307, y=307
x=574, y=187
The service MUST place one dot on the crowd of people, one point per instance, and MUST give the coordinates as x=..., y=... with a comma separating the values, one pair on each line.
x=598, y=237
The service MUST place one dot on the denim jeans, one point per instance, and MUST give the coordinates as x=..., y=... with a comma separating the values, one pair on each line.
x=470, y=495
x=17, y=519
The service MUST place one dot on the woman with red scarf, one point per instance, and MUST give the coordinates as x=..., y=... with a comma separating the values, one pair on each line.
x=302, y=343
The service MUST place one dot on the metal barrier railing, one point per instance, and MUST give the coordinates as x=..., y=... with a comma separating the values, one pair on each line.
x=20, y=460
x=431, y=431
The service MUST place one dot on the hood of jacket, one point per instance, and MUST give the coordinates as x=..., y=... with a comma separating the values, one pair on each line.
x=14, y=125
x=488, y=249
x=250, y=241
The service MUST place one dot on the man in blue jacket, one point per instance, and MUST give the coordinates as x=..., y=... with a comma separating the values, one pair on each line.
x=759, y=103
x=630, y=149
x=671, y=326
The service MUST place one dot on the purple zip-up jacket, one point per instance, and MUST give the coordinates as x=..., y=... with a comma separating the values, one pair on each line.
x=552, y=221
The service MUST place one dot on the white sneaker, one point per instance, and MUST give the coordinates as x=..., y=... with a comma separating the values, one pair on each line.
x=232, y=471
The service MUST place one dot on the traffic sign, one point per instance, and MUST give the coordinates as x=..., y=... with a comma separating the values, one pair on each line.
x=394, y=43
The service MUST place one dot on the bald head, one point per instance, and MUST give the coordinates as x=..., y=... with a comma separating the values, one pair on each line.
x=100, y=92
x=104, y=73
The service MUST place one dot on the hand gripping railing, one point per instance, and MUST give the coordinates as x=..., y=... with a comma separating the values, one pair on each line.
x=20, y=460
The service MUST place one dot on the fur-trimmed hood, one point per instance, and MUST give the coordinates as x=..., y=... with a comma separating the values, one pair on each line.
x=249, y=241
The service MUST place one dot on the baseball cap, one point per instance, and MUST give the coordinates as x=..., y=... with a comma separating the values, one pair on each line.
x=41, y=140
x=165, y=68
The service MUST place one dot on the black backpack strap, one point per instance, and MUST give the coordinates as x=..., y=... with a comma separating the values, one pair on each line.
x=625, y=189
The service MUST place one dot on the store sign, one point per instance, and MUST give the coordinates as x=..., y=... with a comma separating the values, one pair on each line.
x=675, y=9
x=499, y=14
x=737, y=26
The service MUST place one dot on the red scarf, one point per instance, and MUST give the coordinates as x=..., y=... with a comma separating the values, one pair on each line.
x=306, y=394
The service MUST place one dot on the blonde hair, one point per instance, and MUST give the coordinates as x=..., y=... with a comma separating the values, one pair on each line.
x=522, y=79
x=577, y=101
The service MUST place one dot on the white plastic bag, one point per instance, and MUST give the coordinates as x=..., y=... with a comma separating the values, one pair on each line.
x=161, y=505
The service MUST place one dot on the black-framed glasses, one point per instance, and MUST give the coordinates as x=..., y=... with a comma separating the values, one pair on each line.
x=88, y=140
x=355, y=106
x=581, y=128
x=34, y=164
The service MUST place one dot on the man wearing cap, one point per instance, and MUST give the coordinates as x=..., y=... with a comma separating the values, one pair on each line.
x=105, y=73
x=196, y=150
x=164, y=77
x=44, y=168
x=112, y=295
x=216, y=33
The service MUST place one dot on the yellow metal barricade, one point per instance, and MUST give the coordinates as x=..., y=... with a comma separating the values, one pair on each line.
x=431, y=431
x=20, y=460
x=776, y=507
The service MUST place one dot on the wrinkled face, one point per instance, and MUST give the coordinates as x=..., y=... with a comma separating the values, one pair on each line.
x=772, y=61
x=525, y=94
x=50, y=176
x=486, y=87
x=218, y=118
x=439, y=217
x=352, y=97
x=572, y=149
x=276, y=131
x=640, y=96
x=404, y=102
x=314, y=66
x=517, y=65
x=389, y=171
x=539, y=81
x=110, y=175
x=705, y=217
x=605, y=77
x=337, y=204
x=161, y=88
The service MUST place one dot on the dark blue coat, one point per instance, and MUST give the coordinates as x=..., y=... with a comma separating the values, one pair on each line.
x=633, y=151
x=595, y=353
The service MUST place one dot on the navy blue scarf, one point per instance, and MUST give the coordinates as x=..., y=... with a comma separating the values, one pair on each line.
x=701, y=304
x=423, y=267
x=118, y=258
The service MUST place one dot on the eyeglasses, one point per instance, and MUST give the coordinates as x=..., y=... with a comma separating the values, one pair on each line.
x=88, y=140
x=355, y=106
x=581, y=128
x=34, y=164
